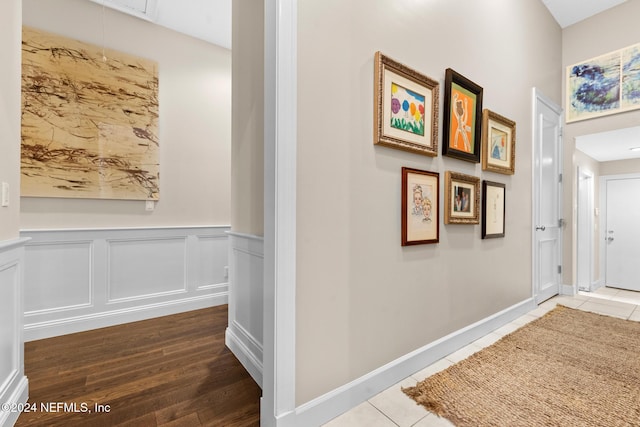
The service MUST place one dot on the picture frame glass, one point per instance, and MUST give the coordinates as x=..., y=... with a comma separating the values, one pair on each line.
x=463, y=198
x=494, y=211
x=462, y=118
x=405, y=109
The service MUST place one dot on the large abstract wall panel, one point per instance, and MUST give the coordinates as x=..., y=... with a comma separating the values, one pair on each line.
x=68, y=260
x=81, y=279
x=89, y=120
x=146, y=268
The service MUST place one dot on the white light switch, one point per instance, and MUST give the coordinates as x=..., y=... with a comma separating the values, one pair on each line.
x=5, y=194
x=150, y=205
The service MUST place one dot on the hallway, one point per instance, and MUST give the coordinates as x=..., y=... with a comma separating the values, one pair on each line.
x=392, y=408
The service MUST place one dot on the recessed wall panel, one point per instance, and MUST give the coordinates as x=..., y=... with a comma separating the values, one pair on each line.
x=146, y=268
x=8, y=315
x=213, y=260
x=59, y=275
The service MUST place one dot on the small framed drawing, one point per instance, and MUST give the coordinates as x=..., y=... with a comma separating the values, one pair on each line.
x=493, y=208
x=462, y=199
x=405, y=108
x=462, y=117
x=420, y=207
x=498, y=143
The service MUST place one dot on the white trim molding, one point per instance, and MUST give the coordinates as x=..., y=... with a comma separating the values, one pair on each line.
x=14, y=386
x=280, y=169
x=330, y=405
x=81, y=279
x=244, y=334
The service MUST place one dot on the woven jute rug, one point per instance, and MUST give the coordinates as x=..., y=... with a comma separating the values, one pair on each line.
x=567, y=368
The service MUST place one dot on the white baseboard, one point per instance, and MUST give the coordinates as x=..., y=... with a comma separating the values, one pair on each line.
x=569, y=290
x=17, y=399
x=330, y=405
x=251, y=363
x=71, y=325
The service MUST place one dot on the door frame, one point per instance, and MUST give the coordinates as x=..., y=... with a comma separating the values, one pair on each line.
x=585, y=203
x=603, y=219
x=539, y=98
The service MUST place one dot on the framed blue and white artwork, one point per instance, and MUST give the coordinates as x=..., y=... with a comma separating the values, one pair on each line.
x=604, y=85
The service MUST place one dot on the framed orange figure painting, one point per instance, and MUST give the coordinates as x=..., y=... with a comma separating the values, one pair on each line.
x=462, y=117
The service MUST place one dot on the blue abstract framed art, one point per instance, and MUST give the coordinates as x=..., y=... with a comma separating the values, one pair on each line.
x=607, y=84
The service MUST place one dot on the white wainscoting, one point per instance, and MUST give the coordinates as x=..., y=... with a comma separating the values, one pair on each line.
x=76, y=280
x=245, y=332
x=14, y=387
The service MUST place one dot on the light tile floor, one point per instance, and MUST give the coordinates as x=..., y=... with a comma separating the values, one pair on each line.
x=392, y=408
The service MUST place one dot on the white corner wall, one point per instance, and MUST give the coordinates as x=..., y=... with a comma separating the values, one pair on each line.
x=14, y=387
x=244, y=335
x=194, y=124
x=10, y=55
x=362, y=300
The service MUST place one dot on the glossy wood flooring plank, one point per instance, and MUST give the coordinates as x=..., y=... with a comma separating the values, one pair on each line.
x=171, y=371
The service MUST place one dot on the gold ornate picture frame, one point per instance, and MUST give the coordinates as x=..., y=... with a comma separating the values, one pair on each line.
x=405, y=108
x=462, y=198
x=498, y=143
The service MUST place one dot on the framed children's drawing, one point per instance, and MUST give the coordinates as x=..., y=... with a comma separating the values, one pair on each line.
x=462, y=198
x=405, y=108
x=493, y=209
x=498, y=143
x=462, y=117
x=420, y=191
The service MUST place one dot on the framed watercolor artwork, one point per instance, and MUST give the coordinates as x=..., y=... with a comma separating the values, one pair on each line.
x=498, y=143
x=462, y=199
x=493, y=209
x=405, y=108
x=604, y=85
x=420, y=207
x=462, y=117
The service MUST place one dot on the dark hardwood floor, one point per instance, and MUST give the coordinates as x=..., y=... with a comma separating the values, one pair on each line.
x=169, y=371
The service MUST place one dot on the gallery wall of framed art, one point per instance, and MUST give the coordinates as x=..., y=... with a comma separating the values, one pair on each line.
x=406, y=115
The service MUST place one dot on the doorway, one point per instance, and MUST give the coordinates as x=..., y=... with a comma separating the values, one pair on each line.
x=547, y=194
x=585, y=222
x=620, y=204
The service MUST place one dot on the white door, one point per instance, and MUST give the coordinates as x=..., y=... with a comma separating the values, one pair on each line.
x=622, y=233
x=585, y=223
x=547, y=193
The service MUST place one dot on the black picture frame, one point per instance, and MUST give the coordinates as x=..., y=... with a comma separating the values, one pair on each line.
x=493, y=209
x=462, y=123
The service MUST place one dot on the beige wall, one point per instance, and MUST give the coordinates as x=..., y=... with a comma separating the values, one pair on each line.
x=247, y=154
x=362, y=299
x=603, y=33
x=194, y=125
x=10, y=37
x=620, y=167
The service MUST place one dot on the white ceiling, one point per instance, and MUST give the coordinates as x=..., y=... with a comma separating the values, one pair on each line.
x=568, y=12
x=612, y=145
x=208, y=20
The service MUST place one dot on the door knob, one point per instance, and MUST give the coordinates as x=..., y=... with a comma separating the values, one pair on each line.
x=609, y=239
x=541, y=228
